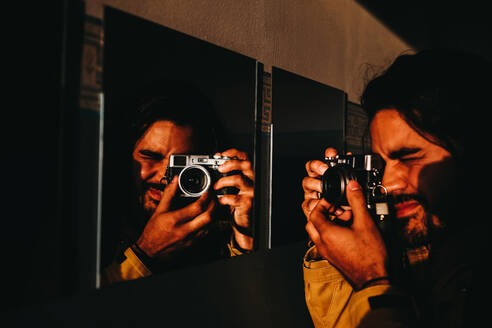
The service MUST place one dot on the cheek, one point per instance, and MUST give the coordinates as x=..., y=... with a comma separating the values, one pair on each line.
x=415, y=181
x=139, y=170
x=437, y=182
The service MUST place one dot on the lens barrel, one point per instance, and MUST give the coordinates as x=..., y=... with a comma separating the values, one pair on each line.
x=334, y=184
x=194, y=180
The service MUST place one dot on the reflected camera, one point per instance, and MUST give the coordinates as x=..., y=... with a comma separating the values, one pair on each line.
x=367, y=170
x=197, y=173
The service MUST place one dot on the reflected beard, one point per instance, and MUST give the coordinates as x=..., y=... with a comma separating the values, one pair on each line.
x=149, y=206
x=145, y=209
x=147, y=203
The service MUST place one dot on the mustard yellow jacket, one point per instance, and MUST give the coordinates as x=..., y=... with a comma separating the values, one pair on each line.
x=332, y=302
x=441, y=297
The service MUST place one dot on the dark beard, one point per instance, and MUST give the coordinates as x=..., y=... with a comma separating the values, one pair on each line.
x=415, y=238
x=146, y=212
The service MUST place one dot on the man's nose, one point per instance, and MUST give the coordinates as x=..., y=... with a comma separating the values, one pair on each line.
x=161, y=170
x=156, y=171
x=395, y=178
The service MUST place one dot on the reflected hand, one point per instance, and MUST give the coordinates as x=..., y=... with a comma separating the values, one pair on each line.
x=168, y=232
x=241, y=205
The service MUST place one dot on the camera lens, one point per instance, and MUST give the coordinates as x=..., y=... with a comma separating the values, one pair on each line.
x=334, y=184
x=194, y=180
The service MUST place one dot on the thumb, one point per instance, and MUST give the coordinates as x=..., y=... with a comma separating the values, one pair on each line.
x=168, y=195
x=357, y=202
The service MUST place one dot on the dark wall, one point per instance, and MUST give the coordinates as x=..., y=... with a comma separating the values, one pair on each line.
x=434, y=24
x=42, y=74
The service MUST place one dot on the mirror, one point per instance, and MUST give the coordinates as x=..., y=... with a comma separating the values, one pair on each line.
x=308, y=116
x=174, y=106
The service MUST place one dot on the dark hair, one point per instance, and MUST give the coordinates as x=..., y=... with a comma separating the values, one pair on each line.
x=184, y=105
x=435, y=91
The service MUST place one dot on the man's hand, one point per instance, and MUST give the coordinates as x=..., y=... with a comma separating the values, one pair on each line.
x=312, y=183
x=241, y=204
x=348, y=238
x=168, y=232
x=357, y=250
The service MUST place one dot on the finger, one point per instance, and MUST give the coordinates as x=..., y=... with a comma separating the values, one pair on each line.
x=235, y=153
x=308, y=206
x=311, y=195
x=357, y=203
x=238, y=165
x=238, y=181
x=320, y=215
x=231, y=200
x=311, y=184
x=168, y=195
x=194, y=209
x=200, y=221
x=313, y=233
x=316, y=168
x=240, y=206
x=330, y=152
x=343, y=215
x=328, y=230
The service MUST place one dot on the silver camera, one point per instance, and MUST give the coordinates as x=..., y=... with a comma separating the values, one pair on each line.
x=197, y=173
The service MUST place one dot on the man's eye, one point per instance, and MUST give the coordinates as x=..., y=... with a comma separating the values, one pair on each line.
x=150, y=156
x=409, y=159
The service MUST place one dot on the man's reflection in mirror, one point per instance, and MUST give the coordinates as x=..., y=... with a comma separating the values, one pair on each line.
x=172, y=227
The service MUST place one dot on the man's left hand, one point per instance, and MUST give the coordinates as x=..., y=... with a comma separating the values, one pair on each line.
x=241, y=204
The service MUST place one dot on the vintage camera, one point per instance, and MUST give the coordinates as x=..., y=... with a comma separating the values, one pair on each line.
x=198, y=173
x=367, y=170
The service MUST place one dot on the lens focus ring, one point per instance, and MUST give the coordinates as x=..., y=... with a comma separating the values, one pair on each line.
x=194, y=180
x=334, y=184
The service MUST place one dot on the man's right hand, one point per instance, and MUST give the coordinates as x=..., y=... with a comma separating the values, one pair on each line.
x=357, y=250
x=168, y=232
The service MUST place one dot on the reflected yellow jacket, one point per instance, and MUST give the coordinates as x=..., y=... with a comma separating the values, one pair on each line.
x=130, y=267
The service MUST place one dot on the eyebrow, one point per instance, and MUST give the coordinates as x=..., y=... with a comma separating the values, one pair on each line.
x=150, y=153
x=402, y=152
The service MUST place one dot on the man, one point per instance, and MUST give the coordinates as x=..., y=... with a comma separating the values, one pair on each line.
x=418, y=123
x=167, y=231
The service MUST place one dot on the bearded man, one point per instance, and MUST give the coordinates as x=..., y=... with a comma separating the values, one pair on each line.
x=418, y=113
x=166, y=231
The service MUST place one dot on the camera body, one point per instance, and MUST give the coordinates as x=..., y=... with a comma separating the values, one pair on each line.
x=366, y=169
x=197, y=174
